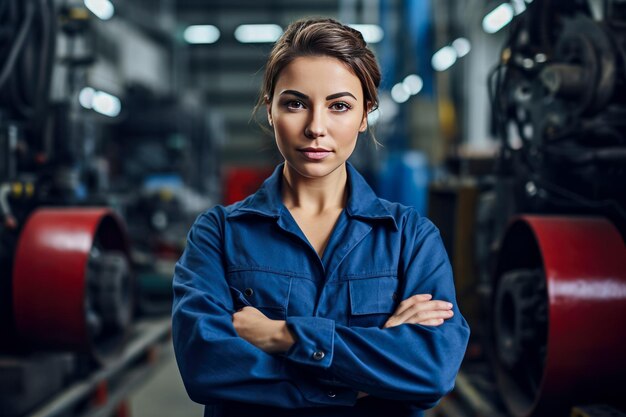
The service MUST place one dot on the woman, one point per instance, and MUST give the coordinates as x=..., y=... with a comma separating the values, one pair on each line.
x=313, y=297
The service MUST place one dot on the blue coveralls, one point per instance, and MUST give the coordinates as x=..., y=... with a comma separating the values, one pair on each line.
x=254, y=253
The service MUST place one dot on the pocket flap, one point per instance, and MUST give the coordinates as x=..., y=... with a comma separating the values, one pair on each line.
x=260, y=289
x=373, y=295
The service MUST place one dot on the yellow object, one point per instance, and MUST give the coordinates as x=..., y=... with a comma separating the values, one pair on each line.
x=30, y=189
x=17, y=188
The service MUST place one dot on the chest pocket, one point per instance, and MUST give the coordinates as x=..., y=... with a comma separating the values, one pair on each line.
x=372, y=301
x=266, y=291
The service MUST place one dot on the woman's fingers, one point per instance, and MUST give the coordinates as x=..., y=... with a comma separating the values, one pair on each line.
x=427, y=318
x=419, y=309
x=422, y=308
x=411, y=301
x=433, y=322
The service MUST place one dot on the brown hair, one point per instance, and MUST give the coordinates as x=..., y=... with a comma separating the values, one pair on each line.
x=323, y=37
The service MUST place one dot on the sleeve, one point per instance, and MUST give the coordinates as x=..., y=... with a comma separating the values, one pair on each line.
x=408, y=362
x=214, y=362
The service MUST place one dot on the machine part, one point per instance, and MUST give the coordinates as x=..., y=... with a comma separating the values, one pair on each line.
x=5, y=209
x=580, y=81
x=539, y=364
x=71, y=281
x=585, y=49
x=29, y=380
x=520, y=316
x=108, y=301
x=100, y=393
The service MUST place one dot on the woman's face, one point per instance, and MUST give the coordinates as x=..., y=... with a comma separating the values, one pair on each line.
x=317, y=113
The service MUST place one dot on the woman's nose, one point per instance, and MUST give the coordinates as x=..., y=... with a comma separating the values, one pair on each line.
x=316, y=125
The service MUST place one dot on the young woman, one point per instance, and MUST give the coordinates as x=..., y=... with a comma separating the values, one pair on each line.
x=313, y=297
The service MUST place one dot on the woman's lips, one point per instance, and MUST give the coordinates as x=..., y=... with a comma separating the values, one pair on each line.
x=315, y=155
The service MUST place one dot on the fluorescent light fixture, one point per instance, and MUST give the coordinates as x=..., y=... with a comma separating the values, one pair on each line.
x=462, y=47
x=518, y=6
x=413, y=84
x=99, y=101
x=106, y=104
x=371, y=33
x=85, y=97
x=399, y=93
x=103, y=9
x=444, y=58
x=201, y=34
x=258, y=33
x=498, y=18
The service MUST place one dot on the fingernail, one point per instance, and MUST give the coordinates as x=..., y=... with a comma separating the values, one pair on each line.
x=449, y=305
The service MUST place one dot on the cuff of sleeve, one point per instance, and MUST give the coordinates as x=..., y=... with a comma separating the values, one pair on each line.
x=314, y=341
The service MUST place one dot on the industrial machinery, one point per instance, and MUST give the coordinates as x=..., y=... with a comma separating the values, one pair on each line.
x=557, y=210
x=66, y=281
x=90, y=142
x=65, y=267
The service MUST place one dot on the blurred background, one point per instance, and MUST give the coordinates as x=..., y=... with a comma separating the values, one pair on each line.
x=504, y=121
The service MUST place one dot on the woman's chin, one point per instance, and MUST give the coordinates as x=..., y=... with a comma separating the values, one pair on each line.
x=318, y=169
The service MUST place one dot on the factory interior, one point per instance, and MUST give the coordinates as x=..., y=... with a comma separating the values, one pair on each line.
x=121, y=121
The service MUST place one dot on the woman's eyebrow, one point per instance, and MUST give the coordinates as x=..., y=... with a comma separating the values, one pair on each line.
x=295, y=93
x=342, y=94
x=330, y=97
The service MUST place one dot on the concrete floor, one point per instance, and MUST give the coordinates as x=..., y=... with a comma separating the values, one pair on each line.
x=164, y=395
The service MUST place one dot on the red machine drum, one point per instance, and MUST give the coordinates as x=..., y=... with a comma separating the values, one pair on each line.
x=72, y=281
x=559, y=314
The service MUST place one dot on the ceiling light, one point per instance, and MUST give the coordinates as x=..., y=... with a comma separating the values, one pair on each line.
x=258, y=33
x=371, y=33
x=101, y=102
x=106, y=104
x=413, y=84
x=519, y=6
x=85, y=97
x=103, y=9
x=201, y=34
x=498, y=18
x=462, y=47
x=399, y=93
x=444, y=58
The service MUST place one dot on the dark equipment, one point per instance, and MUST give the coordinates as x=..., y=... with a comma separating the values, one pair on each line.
x=65, y=276
x=558, y=210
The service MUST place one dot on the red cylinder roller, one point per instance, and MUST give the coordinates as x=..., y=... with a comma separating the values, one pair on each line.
x=559, y=318
x=71, y=280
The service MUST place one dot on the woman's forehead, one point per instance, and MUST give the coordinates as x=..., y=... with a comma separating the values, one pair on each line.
x=323, y=74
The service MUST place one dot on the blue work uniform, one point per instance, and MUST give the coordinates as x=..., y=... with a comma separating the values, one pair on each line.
x=253, y=253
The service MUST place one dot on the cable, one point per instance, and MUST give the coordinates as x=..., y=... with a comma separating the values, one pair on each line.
x=18, y=44
x=26, y=74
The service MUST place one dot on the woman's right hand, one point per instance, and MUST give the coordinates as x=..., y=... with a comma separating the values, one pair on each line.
x=420, y=309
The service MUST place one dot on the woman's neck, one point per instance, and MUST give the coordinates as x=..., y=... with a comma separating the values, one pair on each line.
x=314, y=195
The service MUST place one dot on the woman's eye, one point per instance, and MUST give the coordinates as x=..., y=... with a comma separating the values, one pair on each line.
x=295, y=104
x=341, y=107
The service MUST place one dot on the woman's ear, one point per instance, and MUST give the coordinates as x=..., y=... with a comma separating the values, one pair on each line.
x=268, y=107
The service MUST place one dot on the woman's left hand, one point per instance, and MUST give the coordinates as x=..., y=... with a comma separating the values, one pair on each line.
x=272, y=336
